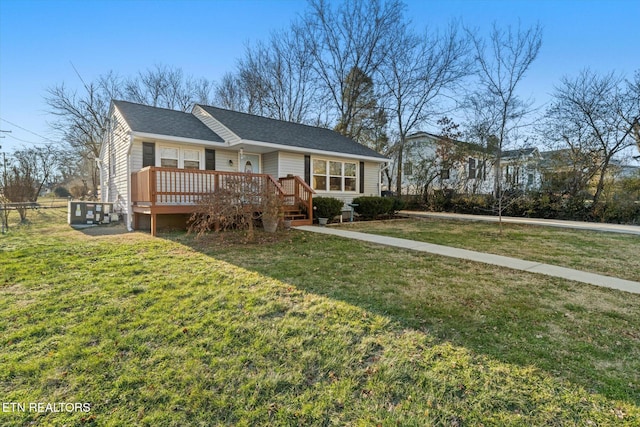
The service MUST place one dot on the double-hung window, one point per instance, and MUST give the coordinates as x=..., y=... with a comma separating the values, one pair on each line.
x=320, y=175
x=169, y=157
x=329, y=175
x=175, y=157
x=191, y=159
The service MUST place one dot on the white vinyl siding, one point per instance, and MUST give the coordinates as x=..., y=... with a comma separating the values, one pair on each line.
x=117, y=179
x=290, y=164
x=270, y=164
x=222, y=131
x=371, y=179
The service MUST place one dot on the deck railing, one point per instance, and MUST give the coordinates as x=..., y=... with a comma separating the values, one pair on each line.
x=297, y=194
x=156, y=186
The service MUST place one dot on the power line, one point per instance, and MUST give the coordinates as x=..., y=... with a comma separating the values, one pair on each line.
x=27, y=130
x=32, y=142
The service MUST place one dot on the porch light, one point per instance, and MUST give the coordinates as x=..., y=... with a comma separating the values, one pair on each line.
x=230, y=162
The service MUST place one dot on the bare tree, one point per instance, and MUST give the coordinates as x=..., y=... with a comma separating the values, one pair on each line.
x=418, y=72
x=501, y=67
x=27, y=173
x=82, y=118
x=229, y=94
x=599, y=116
x=355, y=35
x=167, y=87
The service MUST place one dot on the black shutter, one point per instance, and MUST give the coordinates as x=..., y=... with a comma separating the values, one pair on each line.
x=209, y=159
x=307, y=169
x=361, y=177
x=148, y=154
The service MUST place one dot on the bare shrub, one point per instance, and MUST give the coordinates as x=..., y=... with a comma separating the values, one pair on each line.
x=239, y=202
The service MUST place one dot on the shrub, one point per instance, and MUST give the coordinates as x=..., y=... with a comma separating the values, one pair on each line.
x=327, y=207
x=372, y=207
x=398, y=205
x=441, y=200
x=62, y=192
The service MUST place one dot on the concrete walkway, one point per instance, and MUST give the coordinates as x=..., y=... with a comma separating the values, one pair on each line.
x=578, y=225
x=502, y=261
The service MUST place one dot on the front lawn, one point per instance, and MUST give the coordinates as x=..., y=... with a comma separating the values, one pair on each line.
x=304, y=330
x=610, y=254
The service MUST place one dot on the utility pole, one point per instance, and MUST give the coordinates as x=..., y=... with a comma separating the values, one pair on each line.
x=5, y=212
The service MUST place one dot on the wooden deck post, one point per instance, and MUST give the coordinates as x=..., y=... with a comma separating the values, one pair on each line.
x=153, y=224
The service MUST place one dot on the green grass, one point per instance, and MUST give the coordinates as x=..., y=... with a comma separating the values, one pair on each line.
x=598, y=252
x=304, y=330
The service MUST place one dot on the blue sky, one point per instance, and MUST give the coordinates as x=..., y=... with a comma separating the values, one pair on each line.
x=40, y=40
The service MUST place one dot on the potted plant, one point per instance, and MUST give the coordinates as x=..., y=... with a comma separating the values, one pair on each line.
x=271, y=204
x=326, y=208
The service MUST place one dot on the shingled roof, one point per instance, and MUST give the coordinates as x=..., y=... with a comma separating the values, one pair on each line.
x=162, y=121
x=263, y=129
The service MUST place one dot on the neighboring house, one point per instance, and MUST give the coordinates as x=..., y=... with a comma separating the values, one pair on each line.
x=441, y=163
x=155, y=163
x=521, y=169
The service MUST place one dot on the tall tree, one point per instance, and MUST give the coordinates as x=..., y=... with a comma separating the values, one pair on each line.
x=276, y=77
x=358, y=89
x=355, y=35
x=598, y=114
x=418, y=72
x=502, y=66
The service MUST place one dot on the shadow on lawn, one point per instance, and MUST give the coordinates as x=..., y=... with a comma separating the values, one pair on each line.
x=510, y=316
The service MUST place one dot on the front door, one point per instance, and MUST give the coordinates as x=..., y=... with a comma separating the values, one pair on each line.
x=249, y=163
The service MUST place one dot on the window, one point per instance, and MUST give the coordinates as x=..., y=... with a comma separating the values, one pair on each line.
x=408, y=169
x=191, y=159
x=148, y=154
x=319, y=175
x=349, y=177
x=331, y=175
x=169, y=157
x=335, y=176
x=472, y=168
x=444, y=173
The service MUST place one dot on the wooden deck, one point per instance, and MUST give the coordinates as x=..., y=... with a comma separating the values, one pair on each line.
x=162, y=191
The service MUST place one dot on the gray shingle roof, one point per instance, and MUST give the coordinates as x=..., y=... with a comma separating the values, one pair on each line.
x=256, y=128
x=521, y=152
x=161, y=121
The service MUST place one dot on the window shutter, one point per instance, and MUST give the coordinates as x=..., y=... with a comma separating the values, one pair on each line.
x=148, y=154
x=209, y=159
x=307, y=169
x=361, y=177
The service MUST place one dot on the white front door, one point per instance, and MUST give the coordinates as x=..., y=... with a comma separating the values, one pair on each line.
x=249, y=163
